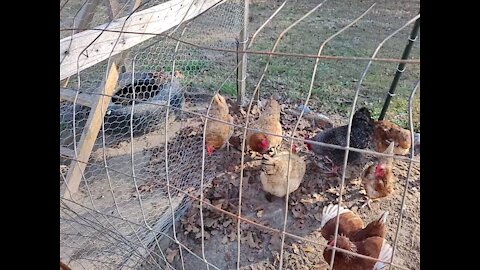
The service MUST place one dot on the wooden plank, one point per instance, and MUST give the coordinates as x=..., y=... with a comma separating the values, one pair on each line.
x=90, y=133
x=83, y=20
x=64, y=151
x=82, y=99
x=157, y=19
x=113, y=8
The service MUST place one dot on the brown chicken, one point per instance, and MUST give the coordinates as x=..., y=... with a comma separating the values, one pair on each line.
x=350, y=224
x=378, y=178
x=274, y=172
x=217, y=133
x=385, y=132
x=268, y=121
x=375, y=247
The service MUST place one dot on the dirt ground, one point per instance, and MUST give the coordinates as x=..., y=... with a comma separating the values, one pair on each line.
x=260, y=248
x=288, y=81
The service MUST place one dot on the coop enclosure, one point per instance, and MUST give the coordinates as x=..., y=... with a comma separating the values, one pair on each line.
x=137, y=77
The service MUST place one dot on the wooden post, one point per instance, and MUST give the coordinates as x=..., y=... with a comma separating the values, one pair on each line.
x=243, y=40
x=90, y=132
x=113, y=8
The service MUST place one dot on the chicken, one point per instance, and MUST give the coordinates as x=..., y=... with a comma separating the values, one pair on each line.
x=353, y=236
x=385, y=132
x=375, y=247
x=350, y=224
x=274, y=172
x=362, y=128
x=217, y=133
x=269, y=121
x=378, y=178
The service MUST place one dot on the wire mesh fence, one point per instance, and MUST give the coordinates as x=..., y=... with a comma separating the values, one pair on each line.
x=144, y=183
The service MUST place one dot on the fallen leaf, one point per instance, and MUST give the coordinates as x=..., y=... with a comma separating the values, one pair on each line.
x=298, y=211
x=260, y=213
x=227, y=222
x=232, y=236
x=307, y=201
x=250, y=241
x=309, y=249
x=295, y=249
x=275, y=242
x=224, y=239
x=218, y=203
x=209, y=222
x=171, y=253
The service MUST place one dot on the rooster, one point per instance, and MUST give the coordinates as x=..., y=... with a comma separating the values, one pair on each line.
x=217, y=134
x=274, y=172
x=350, y=224
x=385, y=132
x=361, y=131
x=378, y=178
x=268, y=121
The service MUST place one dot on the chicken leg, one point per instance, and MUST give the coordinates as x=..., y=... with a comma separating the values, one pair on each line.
x=368, y=202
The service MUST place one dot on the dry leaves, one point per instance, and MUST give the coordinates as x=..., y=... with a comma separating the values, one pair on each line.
x=250, y=241
x=171, y=253
x=275, y=242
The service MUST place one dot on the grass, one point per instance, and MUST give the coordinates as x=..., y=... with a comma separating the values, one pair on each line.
x=229, y=89
x=189, y=67
x=336, y=81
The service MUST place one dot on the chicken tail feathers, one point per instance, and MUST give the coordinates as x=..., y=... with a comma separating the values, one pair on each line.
x=385, y=255
x=383, y=217
x=330, y=212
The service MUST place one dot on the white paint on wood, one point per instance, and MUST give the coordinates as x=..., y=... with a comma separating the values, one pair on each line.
x=157, y=19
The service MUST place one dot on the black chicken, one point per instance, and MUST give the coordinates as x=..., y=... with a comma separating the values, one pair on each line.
x=362, y=129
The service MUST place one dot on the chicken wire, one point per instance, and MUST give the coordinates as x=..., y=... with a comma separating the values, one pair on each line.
x=107, y=224
x=121, y=217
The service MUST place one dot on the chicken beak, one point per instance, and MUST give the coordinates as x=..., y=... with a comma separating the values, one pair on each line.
x=390, y=148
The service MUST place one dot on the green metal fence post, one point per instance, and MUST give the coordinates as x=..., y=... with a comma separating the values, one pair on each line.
x=400, y=68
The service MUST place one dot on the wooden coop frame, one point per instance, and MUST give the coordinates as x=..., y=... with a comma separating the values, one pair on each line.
x=75, y=57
